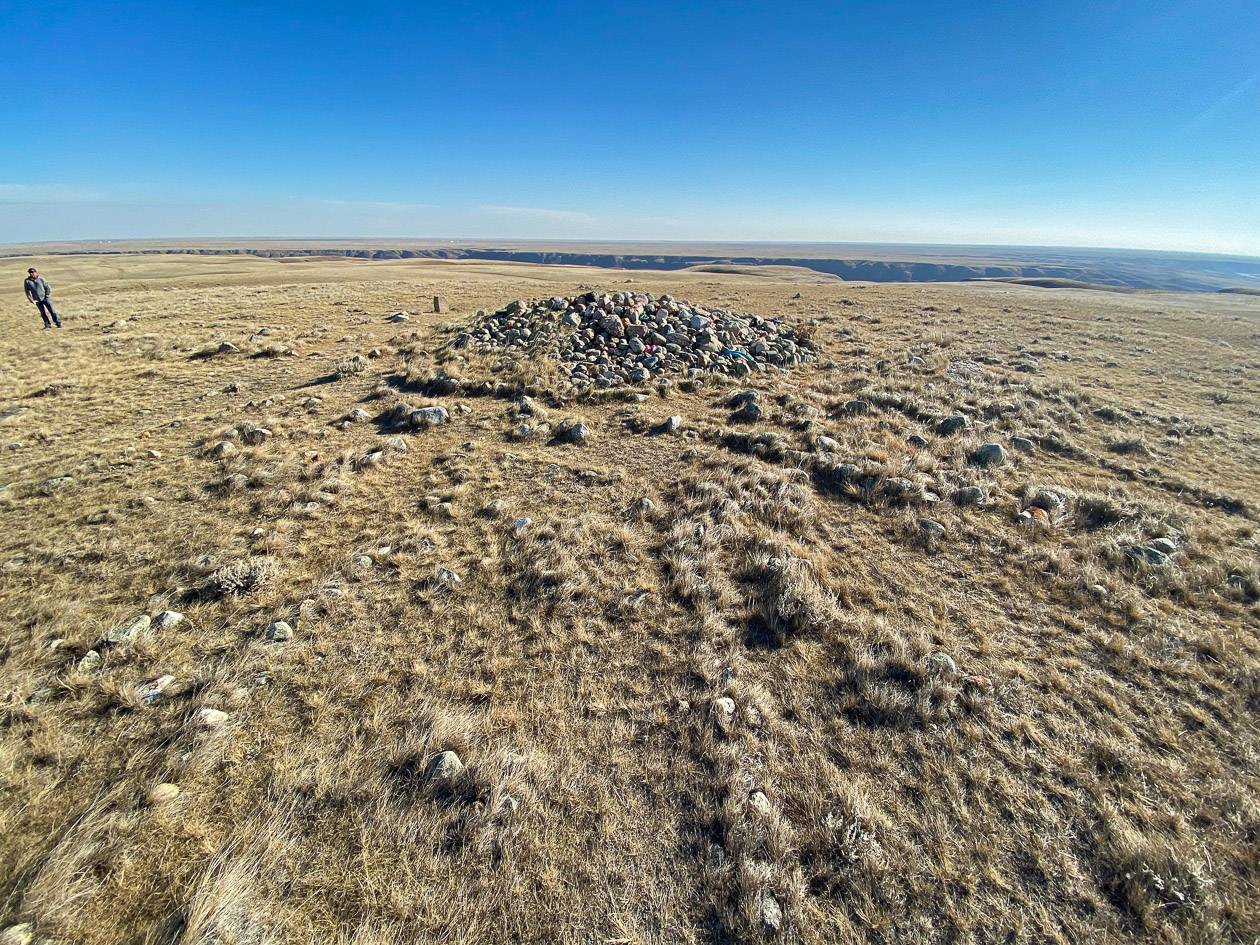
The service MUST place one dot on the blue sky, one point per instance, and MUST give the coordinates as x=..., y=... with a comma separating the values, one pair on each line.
x=1126, y=123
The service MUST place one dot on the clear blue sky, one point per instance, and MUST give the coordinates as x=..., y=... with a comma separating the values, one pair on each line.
x=1123, y=123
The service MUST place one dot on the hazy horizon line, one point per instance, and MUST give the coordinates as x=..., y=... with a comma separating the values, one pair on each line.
x=634, y=241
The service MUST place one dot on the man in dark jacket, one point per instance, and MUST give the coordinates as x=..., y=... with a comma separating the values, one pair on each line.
x=40, y=295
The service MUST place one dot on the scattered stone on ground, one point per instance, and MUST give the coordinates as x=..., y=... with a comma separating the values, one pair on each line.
x=724, y=712
x=162, y=793
x=168, y=619
x=89, y=661
x=1052, y=502
x=1149, y=554
x=21, y=934
x=152, y=691
x=426, y=417
x=572, y=430
x=400, y=317
x=1023, y=444
x=252, y=434
x=445, y=766
x=942, y=664
x=758, y=801
x=771, y=912
x=278, y=631
x=209, y=718
x=610, y=340
x=127, y=633
x=931, y=528
x=953, y=424
x=989, y=454
x=745, y=406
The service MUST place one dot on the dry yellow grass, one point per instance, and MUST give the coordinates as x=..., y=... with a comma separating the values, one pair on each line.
x=722, y=687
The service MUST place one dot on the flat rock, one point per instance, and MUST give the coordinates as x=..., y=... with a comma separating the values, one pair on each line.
x=168, y=619
x=127, y=633
x=152, y=691
x=211, y=718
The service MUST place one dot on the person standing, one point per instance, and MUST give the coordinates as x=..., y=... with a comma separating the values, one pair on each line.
x=40, y=294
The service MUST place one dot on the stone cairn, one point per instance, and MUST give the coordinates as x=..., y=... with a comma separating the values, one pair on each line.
x=627, y=338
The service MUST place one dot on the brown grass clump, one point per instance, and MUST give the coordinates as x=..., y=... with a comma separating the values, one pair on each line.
x=807, y=674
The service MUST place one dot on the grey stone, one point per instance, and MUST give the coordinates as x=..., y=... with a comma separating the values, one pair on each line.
x=917, y=441
x=444, y=767
x=672, y=424
x=931, y=528
x=989, y=454
x=89, y=661
x=968, y=495
x=400, y=317
x=1048, y=500
x=942, y=664
x=168, y=619
x=1023, y=444
x=1165, y=545
x=253, y=435
x=1152, y=556
x=278, y=631
x=857, y=407
x=429, y=416
x=953, y=424
x=152, y=691
x=127, y=633
x=573, y=431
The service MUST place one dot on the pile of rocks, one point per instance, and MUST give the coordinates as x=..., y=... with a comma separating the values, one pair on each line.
x=607, y=340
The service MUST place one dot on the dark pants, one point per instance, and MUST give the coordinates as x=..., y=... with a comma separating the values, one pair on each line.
x=46, y=309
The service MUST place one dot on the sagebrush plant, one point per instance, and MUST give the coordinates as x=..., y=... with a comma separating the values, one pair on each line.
x=715, y=685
